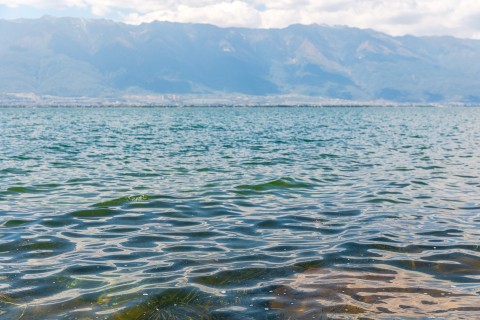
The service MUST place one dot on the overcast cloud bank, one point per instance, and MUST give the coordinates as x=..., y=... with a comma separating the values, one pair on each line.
x=460, y=18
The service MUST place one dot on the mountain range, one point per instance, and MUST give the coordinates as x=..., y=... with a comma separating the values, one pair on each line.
x=73, y=57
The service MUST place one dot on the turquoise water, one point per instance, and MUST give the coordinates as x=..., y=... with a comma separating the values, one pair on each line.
x=240, y=213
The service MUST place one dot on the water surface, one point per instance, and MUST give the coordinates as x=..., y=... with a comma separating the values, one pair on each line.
x=239, y=213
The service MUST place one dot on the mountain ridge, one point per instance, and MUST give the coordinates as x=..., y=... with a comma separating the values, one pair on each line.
x=102, y=58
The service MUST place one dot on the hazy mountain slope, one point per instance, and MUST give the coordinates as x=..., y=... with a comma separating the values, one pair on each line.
x=77, y=57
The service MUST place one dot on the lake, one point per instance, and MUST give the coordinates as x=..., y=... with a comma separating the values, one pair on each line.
x=240, y=213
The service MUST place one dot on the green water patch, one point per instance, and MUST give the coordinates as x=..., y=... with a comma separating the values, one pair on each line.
x=402, y=169
x=84, y=235
x=95, y=213
x=40, y=188
x=26, y=158
x=48, y=186
x=88, y=269
x=241, y=277
x=282, y=248
x=123, y=200
x=386, y=237
x=193, y=248
x=123, y=230
x=270, y=224
x=156, y=204
x=342, y=213
x=433, y=167
x=142, y=174
x=384, y=193
x=328, y=156
x=13, y=223
x=202, y=234
x=23, y=190
x=259, y=163
x=138, y=201
x=211, y=170
x=464, y=176
x=470, y=208
x=79, y=181
x=398, y=185
x=62, y=148
x=422, y=183
x=279, y=184
x=15, y=171
x=384, y=200
x=309, y=265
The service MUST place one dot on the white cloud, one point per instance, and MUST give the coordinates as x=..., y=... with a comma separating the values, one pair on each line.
x=234, y=13
x=421, y=17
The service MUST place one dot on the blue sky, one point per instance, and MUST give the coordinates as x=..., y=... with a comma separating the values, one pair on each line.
x=459, y=18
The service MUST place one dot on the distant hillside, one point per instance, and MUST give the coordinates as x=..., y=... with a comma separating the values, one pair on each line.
x=100, y=58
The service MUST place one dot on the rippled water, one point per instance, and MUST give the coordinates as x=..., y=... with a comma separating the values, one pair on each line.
x=240, y=213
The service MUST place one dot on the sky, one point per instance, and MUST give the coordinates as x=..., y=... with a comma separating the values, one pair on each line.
x=460, y=18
